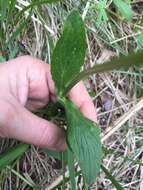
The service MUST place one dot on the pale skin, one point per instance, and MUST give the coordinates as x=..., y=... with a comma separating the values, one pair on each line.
x=26, y=84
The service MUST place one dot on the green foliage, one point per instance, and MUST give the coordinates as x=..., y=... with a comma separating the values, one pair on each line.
x=112, y=178
x=15, y=27
x=124, y=8
x=118, y=63
x=11, y=155
x=83, y=137
x=56, y=155
x=69, y=159
x=102, y=15
x=2, y=59
x=24, y=179
x=3, y=7
x=69, y=53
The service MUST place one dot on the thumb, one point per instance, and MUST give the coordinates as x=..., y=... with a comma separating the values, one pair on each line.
x=19, y=123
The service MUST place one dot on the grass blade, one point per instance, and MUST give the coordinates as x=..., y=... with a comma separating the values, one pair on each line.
x=21, y=177
x=112, y=178
x=18, y=30
x=124, y=8
x=3, y=8
x=11, y=155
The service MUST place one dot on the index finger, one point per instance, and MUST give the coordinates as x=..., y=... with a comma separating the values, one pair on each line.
x=83, y=101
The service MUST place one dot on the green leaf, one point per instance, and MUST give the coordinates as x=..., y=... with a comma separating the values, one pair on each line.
x=124, y=8
x=2, y=59
x=69, y=53
x=12, y=154
x=55, y=154
x=83, y=137
x=102, y=15
x=3, y=9
x=112, y=178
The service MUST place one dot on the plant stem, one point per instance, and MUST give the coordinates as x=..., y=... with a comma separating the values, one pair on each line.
x=63, y=170
x=134, y=59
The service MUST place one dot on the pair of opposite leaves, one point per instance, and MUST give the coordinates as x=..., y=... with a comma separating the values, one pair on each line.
x=83, y=136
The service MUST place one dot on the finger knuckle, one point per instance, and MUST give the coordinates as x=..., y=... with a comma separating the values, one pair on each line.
x=47, y=137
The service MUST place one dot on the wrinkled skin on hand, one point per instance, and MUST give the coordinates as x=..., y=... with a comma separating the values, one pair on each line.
x=26, y=84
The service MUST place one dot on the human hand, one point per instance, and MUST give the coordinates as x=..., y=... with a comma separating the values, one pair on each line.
x=26, y=84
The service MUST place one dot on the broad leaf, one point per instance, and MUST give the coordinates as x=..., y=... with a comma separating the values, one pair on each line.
x=69, y=53
x=83, y=137
x=124, y=8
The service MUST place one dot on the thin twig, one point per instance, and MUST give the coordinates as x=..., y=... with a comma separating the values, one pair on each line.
x=123, y=119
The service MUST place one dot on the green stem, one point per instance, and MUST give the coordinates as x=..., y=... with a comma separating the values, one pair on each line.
x=134, y=59
x=67, y=179
x=63, y=170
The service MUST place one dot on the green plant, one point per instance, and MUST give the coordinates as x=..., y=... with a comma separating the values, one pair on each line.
x=124, y=8
x=11, y=29
x=83, y=136
x=102, y=8
x=67, y=59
